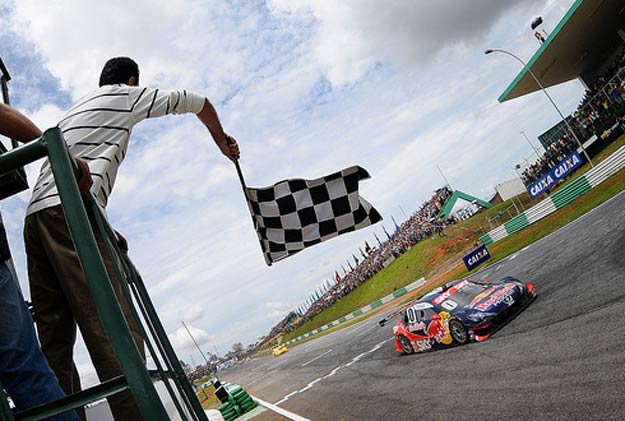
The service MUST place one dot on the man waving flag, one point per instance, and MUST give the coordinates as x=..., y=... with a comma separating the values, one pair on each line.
x=294, y=214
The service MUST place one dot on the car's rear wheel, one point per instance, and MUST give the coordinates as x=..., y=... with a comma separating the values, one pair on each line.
x=405, y=344
x=458, y=332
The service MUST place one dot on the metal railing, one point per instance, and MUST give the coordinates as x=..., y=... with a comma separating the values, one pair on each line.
x=136, y=377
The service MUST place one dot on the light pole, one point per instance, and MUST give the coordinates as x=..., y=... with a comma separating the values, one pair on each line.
x=443, y=175
x=531, y=144
x=489, y=51
x=194, y=341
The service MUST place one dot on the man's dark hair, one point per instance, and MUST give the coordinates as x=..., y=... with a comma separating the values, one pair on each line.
x=119, y=70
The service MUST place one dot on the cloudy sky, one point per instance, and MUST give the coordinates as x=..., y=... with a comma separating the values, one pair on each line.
x=307, y=88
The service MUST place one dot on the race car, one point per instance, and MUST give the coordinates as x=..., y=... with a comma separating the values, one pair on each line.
x=279, y=350
x=459, y=312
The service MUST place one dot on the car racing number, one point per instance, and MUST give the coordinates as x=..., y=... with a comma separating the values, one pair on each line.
x=412, y=315
x=412, y=312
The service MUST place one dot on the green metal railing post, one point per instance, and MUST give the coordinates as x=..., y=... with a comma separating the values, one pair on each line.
x=168, y=348
x=46, y=410
x=23, y=155
x=115, y=254
x=98, y=281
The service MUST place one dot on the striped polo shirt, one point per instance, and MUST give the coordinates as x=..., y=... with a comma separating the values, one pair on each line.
x=97, y=130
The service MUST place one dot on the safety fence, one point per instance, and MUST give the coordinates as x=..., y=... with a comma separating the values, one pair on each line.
x=402, y=291
x=591, y=179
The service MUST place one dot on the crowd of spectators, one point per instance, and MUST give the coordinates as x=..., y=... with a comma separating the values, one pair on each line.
x=602, y=105
x=421, y=225
x=554, y=154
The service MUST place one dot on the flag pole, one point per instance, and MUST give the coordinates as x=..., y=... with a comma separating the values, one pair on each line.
x=247, y=200
x=238, y=167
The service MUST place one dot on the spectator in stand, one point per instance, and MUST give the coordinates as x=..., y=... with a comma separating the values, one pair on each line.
x=600, y=108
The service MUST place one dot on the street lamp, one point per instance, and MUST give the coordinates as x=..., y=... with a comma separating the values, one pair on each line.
x=531, y=144
x=489, y=51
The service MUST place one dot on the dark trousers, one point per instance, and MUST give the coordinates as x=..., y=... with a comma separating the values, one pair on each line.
x=62, y=300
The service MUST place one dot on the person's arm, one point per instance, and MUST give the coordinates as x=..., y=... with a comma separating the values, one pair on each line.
x=15, y=125
x=149, y=102
x=226, y=144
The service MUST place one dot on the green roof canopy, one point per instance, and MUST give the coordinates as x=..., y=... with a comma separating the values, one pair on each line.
x=585, y=37
x=457, y=194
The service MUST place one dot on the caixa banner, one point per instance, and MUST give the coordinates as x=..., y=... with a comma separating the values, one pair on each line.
x=476, y=258
x=556, y=174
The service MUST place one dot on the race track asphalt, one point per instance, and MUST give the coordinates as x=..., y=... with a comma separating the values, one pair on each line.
x=562, y=358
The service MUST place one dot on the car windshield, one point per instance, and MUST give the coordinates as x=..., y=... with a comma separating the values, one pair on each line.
x=467, y=293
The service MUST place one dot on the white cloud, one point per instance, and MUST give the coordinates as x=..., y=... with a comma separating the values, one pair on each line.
x=191, y=312
x=182, y=341
x=354, y=35
x=106, y=29
x=275, y=311
x=47, y=116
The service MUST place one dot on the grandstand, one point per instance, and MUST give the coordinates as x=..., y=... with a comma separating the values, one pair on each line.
x=588, y=44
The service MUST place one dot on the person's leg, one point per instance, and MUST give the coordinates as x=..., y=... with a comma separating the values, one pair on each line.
x=64, y=259
x=56, y=326
x=24, y=371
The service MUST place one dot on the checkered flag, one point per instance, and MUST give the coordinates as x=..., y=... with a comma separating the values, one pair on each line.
x=294, y=214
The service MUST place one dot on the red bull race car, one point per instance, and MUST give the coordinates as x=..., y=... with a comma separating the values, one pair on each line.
x=459, y=312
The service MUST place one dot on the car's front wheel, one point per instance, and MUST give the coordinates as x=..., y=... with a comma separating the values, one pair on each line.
x=405, y=344
x=458, y=332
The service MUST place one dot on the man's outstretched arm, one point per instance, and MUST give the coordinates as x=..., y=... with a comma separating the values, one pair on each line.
x=151, y=103
x=15, y=125
x=226, y=144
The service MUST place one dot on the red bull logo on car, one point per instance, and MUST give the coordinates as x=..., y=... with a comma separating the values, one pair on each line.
x=501, y=295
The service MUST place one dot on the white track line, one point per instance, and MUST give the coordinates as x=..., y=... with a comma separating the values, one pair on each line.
x=290, y=415
x=334, y=371
x=291, y=394
x=316, y=358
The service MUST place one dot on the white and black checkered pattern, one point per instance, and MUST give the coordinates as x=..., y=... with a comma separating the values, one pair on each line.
x=294, y=214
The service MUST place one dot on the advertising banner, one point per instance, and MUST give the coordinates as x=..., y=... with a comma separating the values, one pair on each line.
x=476, y=257
x=557, y=173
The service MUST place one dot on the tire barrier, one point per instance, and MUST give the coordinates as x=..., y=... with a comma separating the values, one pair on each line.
x=402, y=291
x=239, y=402
x=591, y=179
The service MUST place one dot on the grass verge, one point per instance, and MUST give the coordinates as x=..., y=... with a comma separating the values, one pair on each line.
x=208, y=398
